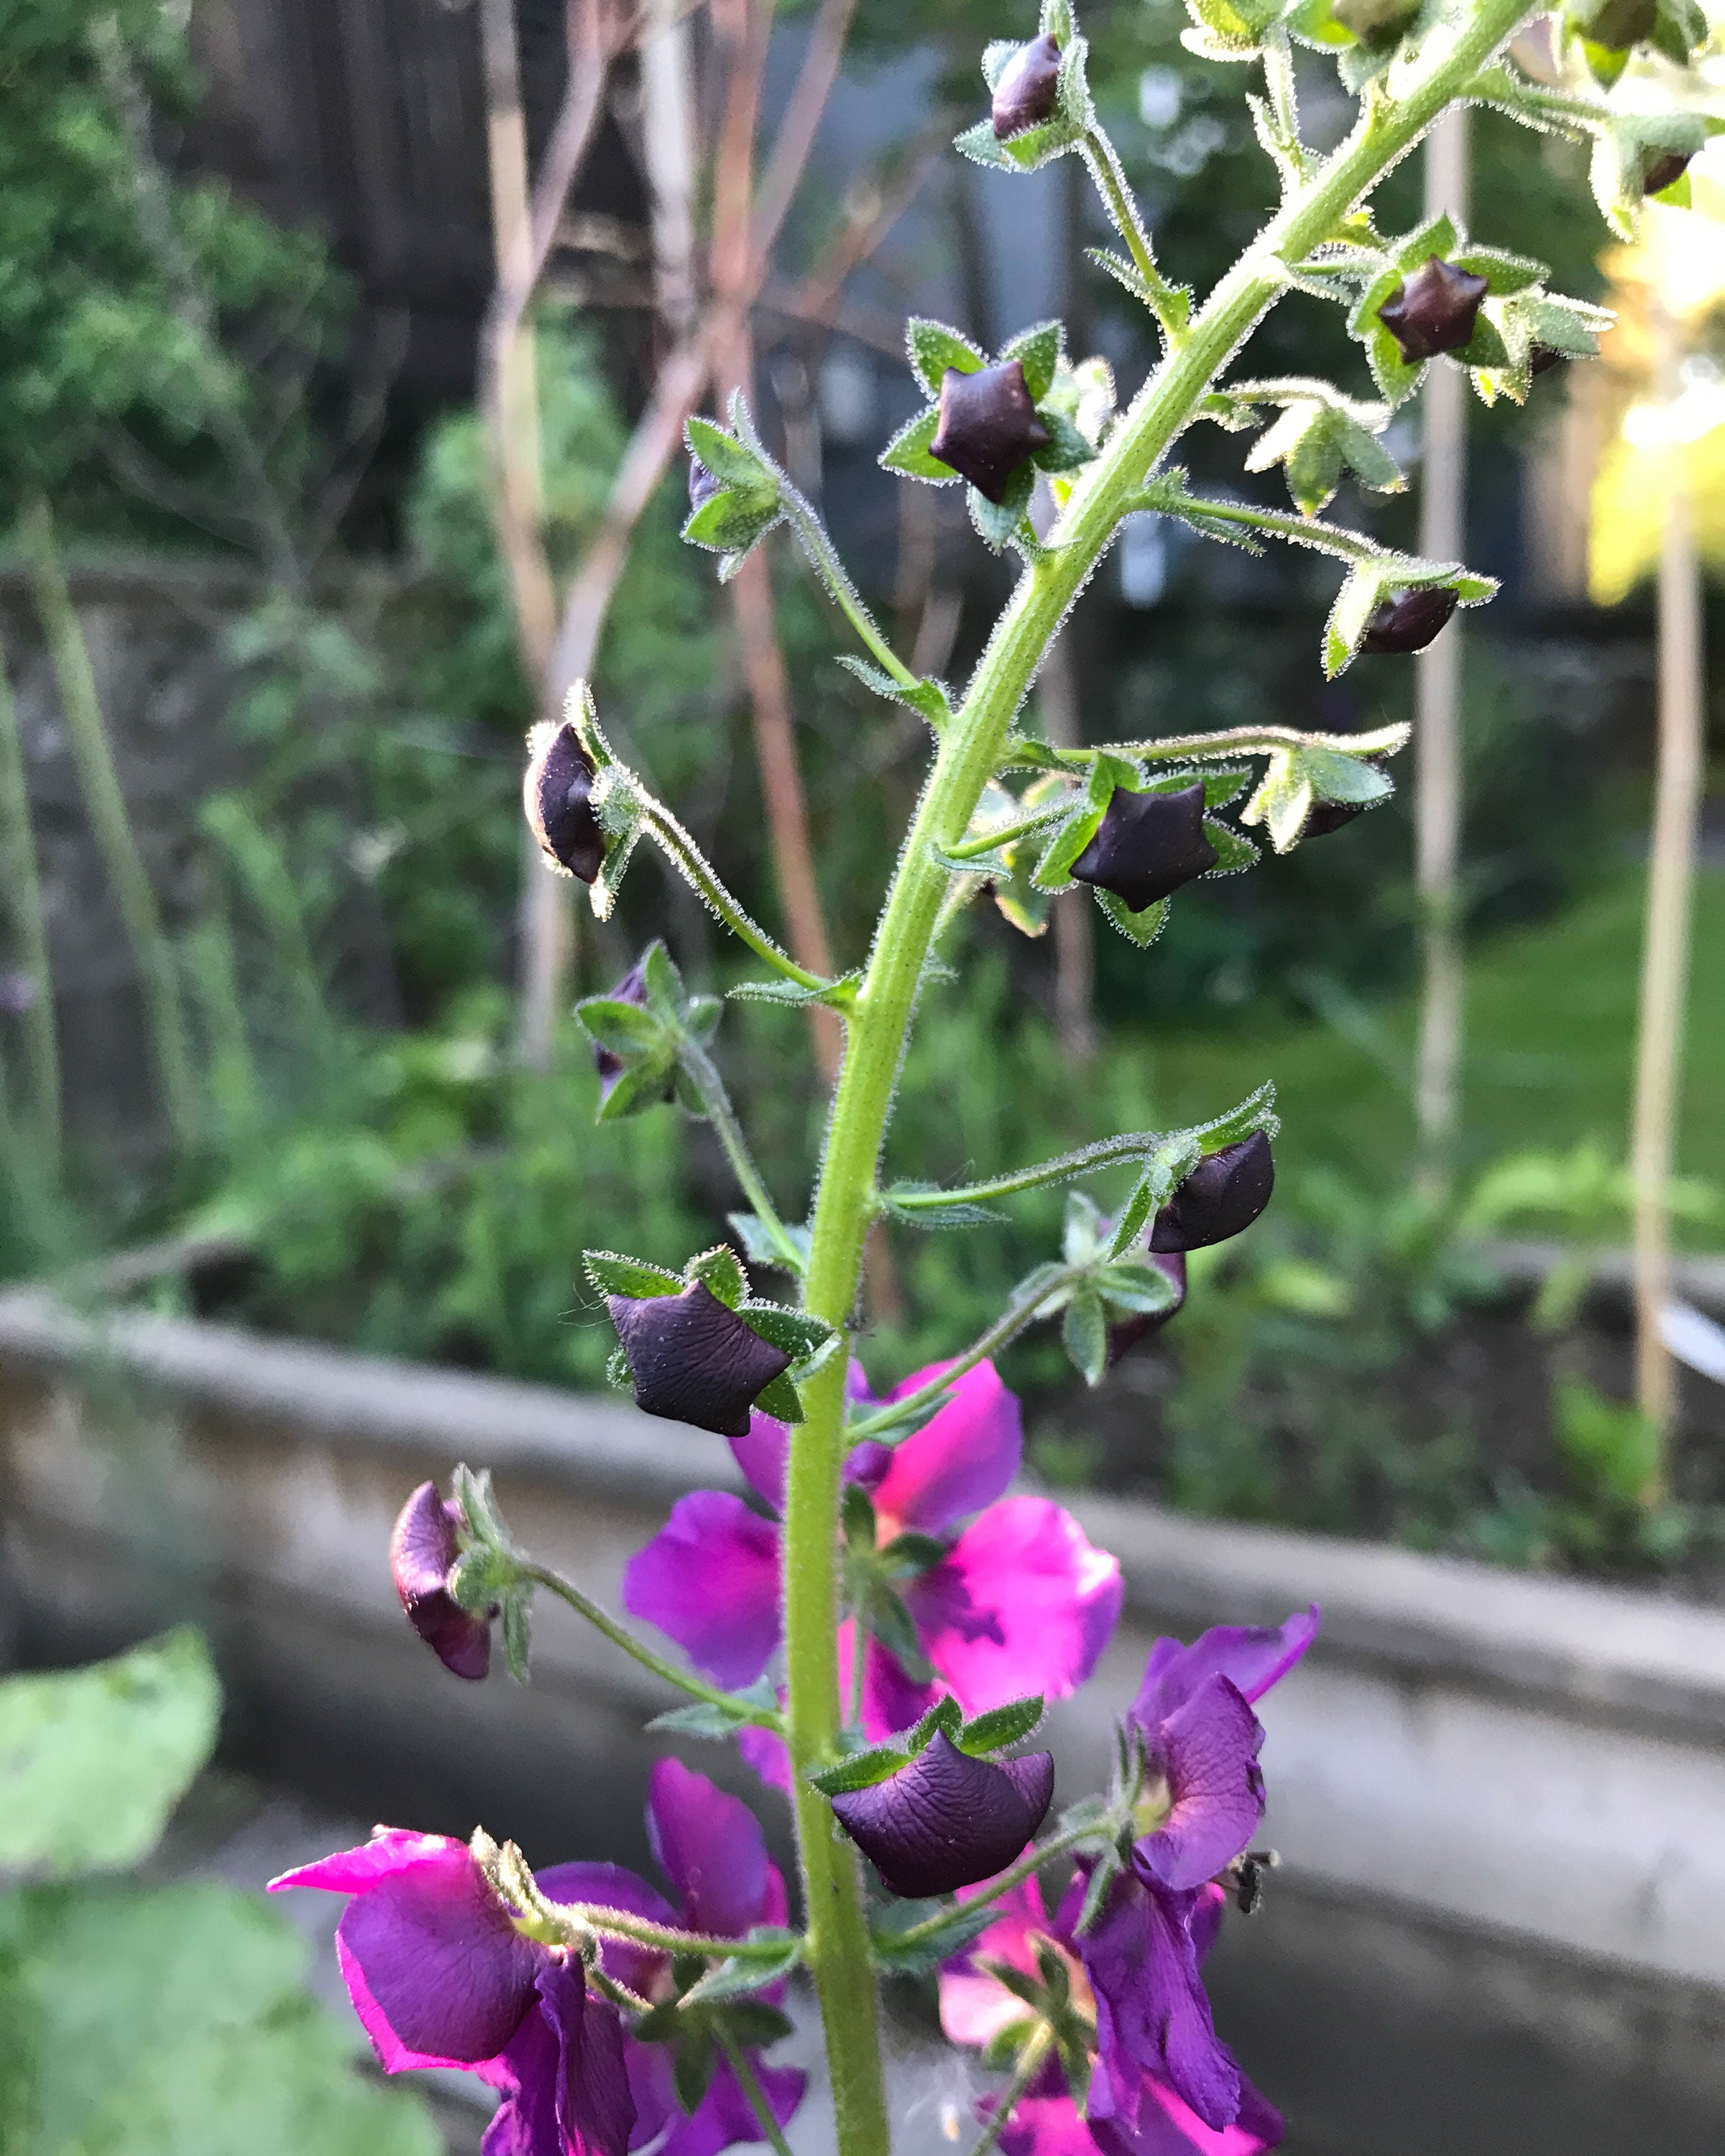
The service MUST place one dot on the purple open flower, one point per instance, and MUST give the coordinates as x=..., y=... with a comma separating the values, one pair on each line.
x=946, y=1820
x=693, y=1359
x=976, y=2008
x=1021, y=1602
x=441, y=1975
x=422, y=1551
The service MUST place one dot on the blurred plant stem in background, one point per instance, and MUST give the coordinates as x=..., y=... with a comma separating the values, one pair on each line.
x=24, y=904
x=1443, y=521
x=81, y=710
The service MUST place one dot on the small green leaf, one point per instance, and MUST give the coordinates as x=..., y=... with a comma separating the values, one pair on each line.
x=861, y=1770
x=761, y=1247
x=1037, y=350
x=736, y=1977
x=1084, y=1334
x=720, y=1271
x=978, y=144
x=614, y=1274
x=731, y=462
x=933, y=348
x=1142, y=928
x=999, y=1727
x=964, y=1922
x=1355, y=603
x=908, y=451
x=707, y=1719
x=1335, y=776
x=518, y=1631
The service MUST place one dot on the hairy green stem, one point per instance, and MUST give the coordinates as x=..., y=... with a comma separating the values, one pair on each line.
x=749, y=2082
x=704, y=1076
x=1027, y=1866
x=1031, y=2061
x=1019, y=1313
x=825, y=558
x=619, y=1635
x=970, y=753
x=609, y=1923
x=80, y=707
x=1256, y=741
x=24, y=898
x=1104, y=163
x=658, y=821
x=1085, y=1160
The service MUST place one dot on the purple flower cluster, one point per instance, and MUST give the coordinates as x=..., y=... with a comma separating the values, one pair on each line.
x=443, y=1974
x=1017, y=1601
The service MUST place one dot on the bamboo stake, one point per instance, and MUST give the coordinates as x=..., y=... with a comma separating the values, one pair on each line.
x=1438, y=737
x=80, y=707
x=1671, y=883
x=23, y=890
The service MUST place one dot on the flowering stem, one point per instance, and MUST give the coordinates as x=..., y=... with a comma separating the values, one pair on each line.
x=1255, y=741
x=703, y=1075
x=1027, y=1866
x=824, y=556
x=749, y=2082
x=1042, y=1287
x=970, y=753
x=1104, y=161
x=667, y=1939
x=1004, y=834
x=698, y=1687
x=1031, y=2061
x=1086, y=1160
x=659, y=822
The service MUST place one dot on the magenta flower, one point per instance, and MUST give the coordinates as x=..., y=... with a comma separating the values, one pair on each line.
x=1018, y=1601
x=976, y=2007
x=947, y=1818
x=441, y=1975
x=1202, y=1805
x=422, y=1550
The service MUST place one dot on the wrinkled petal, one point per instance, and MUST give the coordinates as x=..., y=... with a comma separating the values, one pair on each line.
x=725, y=2116
x=1205, y=1924
x=614, y=1886
x=946, y=1820
x=593, y=2106
x=709, y=1579
x=1023, y=1603
x=961, y=1459
x=693, y=1359
x=1207, y=1750
x=1152, y=2017
x=710, y=1847
x=653, y=2089
x=1252, y=1656
x=526, y=2122
x=422, y=1550
x=437, y=1973
x=763, y=1453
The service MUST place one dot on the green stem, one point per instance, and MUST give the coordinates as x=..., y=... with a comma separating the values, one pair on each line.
x=824, y=556
x=1086, y=1160
x=751, y=2087
x=1027, y=1866
x=1019, y=1313
x=609, y=1923
x=1031, y=2061
x=1104, y=163
x=1302, y=531
x=969, y=754
x=972, y=849
x=1283, y=104
x=619, y=1635
x=23, y=884
x=704, y=1076
x=1256, y=740
x=660, y=822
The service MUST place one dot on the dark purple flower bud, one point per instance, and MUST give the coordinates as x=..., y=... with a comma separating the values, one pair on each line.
x=558, y=795
x=1327, y=816
x=632, y=988
x=1148, y=845
x=946, y=1820
x=1223, y=1193
x=1125, y=1332
x=988, y=426
x=1409, y=621
x=1542, y=359
x=1024, y=95
x=1665, y=170
x=422, y=1551
x=1435, y=310
x=702, y=484
x=693, y=1360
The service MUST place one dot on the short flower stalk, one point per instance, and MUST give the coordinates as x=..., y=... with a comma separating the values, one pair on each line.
x=879, y=1623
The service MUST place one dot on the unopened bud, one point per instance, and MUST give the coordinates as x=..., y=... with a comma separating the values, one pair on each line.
x=1125, y=1333
x=1327, y=816
x=1224, y=1193
x=1541, y=359
x=1024, y=95
x=1376, y=24
x=694, y=1360
x=988, y=426
x=422, y=1552
x=1409, y=621
x=702, y=485
x=1435, y=310
x=1665, y=170
x=632, y=988
x=557, y=796
x=946, y=1819
x=1148, y=845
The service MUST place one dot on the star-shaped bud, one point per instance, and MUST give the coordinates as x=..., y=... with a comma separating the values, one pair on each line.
x=1125, y=1333
x=1225, y=1192
x=557, y=796
x=1148, y=845
x=1664, y=170
x=692, y=1360
x=422, y=1551
x=1435, y=310
x=947, y=1819
x=988, y=425
x=1410, y=620
x=1024, y=95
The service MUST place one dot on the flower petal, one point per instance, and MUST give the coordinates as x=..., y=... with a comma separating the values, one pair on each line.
x=975, y=2005
x=423, y=1549
x=1022, y=1603
x=892, y=1700
x=1046, y=2126
x=961, y=1459
x=1252, y=1656
x=763, y=1453
x=725, y=2117
x=710, y=1847
x=1208, y=1752
x=693, y=1359
x=709, y=1579
x=767, y=1754
x=594, y=2106
x=437, y=1973
x=614, y=1887
x=1168, y=2126
x=1152, y=2017
x=946, y=1820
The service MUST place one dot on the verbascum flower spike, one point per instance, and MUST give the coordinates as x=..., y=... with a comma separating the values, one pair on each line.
x=422, y=1551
